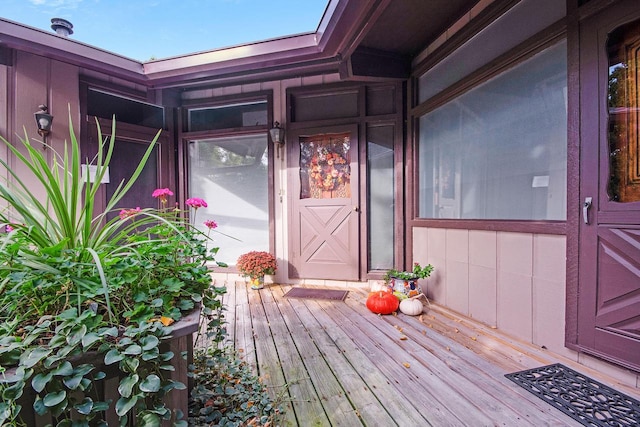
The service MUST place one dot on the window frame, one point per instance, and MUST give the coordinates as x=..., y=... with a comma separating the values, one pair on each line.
x=184, y=137
x=545, y=39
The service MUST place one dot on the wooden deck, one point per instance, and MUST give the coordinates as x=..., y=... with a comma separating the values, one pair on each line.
x=338, y=364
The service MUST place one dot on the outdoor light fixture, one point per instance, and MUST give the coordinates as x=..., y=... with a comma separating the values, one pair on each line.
x=277, y=135
x=43, y=120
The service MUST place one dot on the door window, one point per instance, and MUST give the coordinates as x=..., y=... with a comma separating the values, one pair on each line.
x=623, y=46
x=324, y=166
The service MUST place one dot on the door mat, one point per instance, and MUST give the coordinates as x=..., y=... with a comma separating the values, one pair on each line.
x=313, y=293
x=584, y=399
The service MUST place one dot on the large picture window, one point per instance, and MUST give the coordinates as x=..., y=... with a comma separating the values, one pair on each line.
x=499, y=151
x=231, y=174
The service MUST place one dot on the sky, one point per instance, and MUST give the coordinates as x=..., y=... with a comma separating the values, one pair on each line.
x=155, y=29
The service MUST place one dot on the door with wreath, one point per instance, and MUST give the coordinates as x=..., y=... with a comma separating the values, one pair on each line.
x=324, y=212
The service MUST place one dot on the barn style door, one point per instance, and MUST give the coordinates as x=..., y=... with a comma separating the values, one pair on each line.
x=609, y=259
x=324, y=215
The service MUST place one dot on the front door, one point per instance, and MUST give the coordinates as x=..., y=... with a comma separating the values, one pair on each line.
x=609, y=258
x=324, y=214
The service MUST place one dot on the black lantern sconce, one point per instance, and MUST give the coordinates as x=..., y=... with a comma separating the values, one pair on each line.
x=277, y=136
x=43, y=120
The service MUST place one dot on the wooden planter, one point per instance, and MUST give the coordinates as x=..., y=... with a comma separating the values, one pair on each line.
x=181, y=342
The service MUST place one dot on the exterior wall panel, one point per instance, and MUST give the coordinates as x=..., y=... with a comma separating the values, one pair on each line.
x=515, y=271
x=512, y=281
x=483, y=276
x=65, y=97
x=31, y=90
x=457, y=265
x=549, y=292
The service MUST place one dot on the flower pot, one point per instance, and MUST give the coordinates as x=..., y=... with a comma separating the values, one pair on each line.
x=408, y=287
x=257, y=282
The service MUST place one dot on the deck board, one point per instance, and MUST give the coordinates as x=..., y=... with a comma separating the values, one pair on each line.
x=361, y=400
x=305, y=399
x=327, y=387
x=338, y=364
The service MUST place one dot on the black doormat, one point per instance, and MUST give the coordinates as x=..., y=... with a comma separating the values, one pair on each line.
x=313, y=293
x=585, y=400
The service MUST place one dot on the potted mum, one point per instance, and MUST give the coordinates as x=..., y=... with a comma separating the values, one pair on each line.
x=87, y=303
x=255, y=265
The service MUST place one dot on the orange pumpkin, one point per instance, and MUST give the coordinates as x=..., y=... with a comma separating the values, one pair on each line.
x=382, y=302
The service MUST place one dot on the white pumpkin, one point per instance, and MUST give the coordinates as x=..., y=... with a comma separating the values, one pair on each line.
x=411, y=306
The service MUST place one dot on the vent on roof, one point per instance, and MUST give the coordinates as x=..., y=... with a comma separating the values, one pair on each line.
x=62, y=27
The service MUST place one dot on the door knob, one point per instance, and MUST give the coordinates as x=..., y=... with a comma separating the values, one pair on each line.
x=355, y=209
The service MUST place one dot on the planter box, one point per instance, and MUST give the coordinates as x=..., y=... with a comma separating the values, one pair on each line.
x=181, y=343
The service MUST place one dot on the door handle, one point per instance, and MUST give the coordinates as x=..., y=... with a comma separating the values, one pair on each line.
x=355, y=209
x=585, y=209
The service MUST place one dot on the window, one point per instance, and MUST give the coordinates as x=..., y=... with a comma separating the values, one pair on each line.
x=106, y=105
x=228, y=116
x=499, y=151
x=231, y=174
x=380, y=195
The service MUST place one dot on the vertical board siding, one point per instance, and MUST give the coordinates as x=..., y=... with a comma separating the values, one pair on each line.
x=31, y=90
x=64, y=99
x=549, y=292
x=512, y=281
x=483, y=276
x=436, y=242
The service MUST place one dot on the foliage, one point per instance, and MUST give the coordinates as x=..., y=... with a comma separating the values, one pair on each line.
x=418, y=272
x=74, y=283
x=226, y=393
x=256, y=263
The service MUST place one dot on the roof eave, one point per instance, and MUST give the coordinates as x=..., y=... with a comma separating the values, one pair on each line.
x=49, y=45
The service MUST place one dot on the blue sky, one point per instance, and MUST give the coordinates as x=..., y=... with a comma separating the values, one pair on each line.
x=145, y=29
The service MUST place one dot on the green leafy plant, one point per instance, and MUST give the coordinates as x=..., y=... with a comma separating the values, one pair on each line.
x=418, y=272
x=76, y=288
x=226, y=393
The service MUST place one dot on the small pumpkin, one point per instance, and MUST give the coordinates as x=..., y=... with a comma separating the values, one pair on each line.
x=382, y=302
x=411, y=306
x=380, y=286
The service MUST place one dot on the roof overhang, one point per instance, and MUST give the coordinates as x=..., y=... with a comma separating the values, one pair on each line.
x=352, y=39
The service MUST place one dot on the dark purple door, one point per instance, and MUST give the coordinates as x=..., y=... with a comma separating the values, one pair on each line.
x=609, y=259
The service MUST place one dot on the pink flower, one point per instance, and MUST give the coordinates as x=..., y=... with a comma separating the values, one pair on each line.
x=210, y=224
x=126, y=213
x=162, y=194
x=8, y=228
x=196, y=203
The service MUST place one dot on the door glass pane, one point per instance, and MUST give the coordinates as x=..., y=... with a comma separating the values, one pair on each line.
x=380, y=193
x=231, y=175
x=325, y=166
x=623, y=46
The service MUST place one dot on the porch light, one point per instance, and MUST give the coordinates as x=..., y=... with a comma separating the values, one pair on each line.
x=277, y=135
x=43, y=120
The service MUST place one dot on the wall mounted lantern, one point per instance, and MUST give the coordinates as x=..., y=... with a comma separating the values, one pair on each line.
x=43, y=120
x=277, y=135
